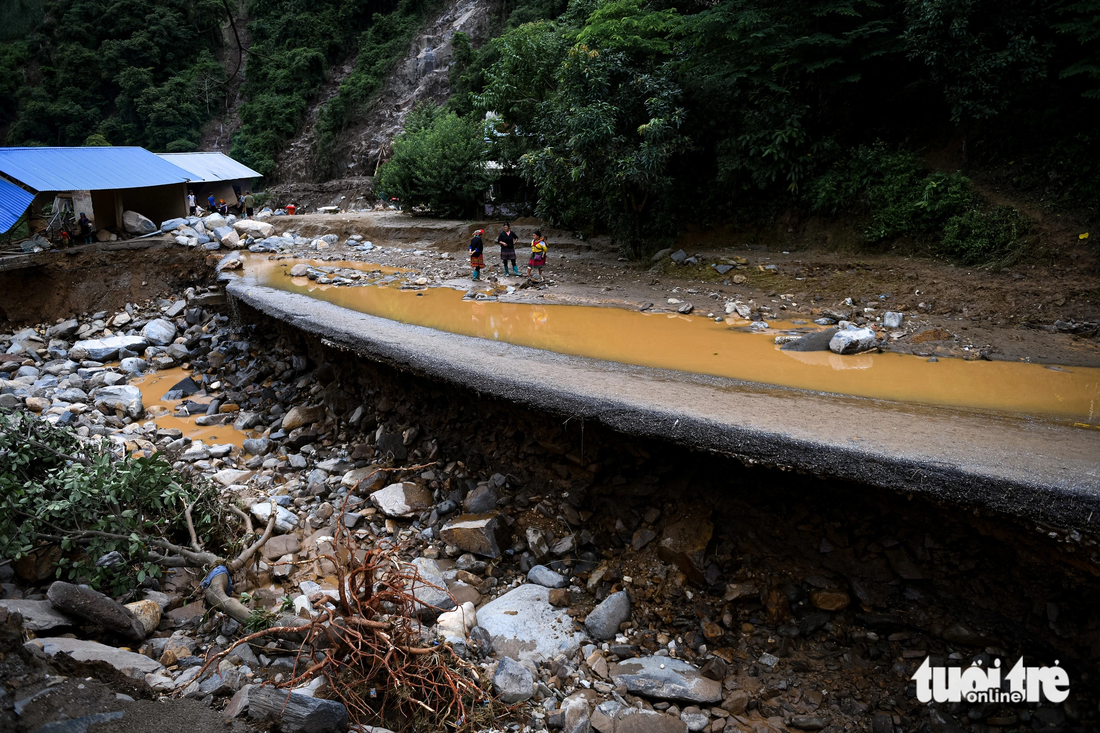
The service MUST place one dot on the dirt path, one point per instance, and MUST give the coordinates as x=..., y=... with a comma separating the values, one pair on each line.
x=951, y=310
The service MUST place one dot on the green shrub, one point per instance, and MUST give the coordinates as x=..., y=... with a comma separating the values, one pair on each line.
x=984, y=237
x=54, y=489
x=438, y=162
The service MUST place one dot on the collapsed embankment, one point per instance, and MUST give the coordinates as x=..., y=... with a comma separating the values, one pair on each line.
x=105, y=276
x=926, y=576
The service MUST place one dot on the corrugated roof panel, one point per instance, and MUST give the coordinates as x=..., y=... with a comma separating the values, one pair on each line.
x=88, y=169
x=208, y=167
x=13, y=203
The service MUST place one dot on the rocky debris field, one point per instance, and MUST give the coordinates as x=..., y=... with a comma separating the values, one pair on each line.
x=586, y=580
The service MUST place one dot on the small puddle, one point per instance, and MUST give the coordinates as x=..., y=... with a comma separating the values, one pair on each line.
x=154, y=385
x=701, y=346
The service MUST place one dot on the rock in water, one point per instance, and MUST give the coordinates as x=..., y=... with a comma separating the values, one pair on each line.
x=852, y=341
x=522, y=624
x=159, y=331
x=135, y=223
x=604, y=621
x=817, y=341
x=297, y=713
x=513, y=682
x=667, y=679
x=83, y=602
x=122, y=397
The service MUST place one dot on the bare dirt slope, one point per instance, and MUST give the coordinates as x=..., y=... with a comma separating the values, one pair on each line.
x=422, y=75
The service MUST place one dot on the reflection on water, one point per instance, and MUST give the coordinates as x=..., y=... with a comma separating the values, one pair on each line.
x=701, y=346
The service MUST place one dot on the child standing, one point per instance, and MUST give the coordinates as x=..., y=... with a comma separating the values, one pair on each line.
x=538, y=254
x=477, y=258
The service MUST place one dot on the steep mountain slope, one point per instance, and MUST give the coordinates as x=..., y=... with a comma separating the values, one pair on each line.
x=421, y=75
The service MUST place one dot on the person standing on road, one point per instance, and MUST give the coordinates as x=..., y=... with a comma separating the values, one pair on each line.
x=192, y=202
x=249, y=204
x=538, y=254
x=477, y=258
x=507, y=241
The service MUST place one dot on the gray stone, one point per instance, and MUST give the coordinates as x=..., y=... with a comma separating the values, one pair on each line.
x=172, y=224
x=106, y=349
x=817, y=341
x=37, y=615
x=159, y=331
x=257, y=446
x=431, y=593
x=92, y=651
x=522, y=624
x=852, y=341
x=135, y=223
x=547, y=578
x=695, y=719
x=481, y=500
x=295, y=712
x=285, y=521
x=81, y=724
x=892, y=319
x=482, y=534
x=83, y=602
x=64, y=329
x=176, y=308
x=133, y=365
x=299, y=270
x=679, y=256
x=603, y=623
x=402, y=500
x=637, y=720
x=513, y=682
x=808, y=722
x=122, y=397
x=667, y=679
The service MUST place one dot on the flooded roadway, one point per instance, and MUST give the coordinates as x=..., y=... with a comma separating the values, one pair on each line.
x=701, y=346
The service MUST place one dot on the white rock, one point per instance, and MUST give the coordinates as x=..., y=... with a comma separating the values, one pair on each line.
x=852, y=341
x=522, y=624
x=159, y=331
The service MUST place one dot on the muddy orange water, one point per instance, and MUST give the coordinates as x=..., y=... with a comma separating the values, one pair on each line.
x=154, y=385
x=701, y=346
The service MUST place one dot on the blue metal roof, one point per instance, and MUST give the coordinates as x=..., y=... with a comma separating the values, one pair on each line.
x=210, y=167
x=13, y=202
x=88, y=169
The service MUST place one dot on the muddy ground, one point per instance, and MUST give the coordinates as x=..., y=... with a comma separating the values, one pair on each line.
x=953, y=310
x=106, y=276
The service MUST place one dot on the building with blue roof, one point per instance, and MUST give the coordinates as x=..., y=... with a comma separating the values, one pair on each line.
x=104, y=182
x=214, y=174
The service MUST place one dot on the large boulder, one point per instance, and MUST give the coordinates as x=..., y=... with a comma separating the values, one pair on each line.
x=121, y=397
x=256, y=229
x=159, y=331
x=107, y=348
x=173, y=224
x=83, y=602
x=213, y=221
x=523, y=625
x=136, y=224
x=666, y=678
x=92, y=651
x=852, y=341
x=228, y=237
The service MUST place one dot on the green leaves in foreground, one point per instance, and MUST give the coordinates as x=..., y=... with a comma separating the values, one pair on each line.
x=56, y=490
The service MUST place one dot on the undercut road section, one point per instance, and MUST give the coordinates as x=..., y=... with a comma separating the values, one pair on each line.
x=1044, y=471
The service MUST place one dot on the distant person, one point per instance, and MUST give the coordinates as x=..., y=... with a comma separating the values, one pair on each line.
x=223, y=208
x=477, y=258
x=538, y=254
x=86, y=228
x=290, y=209
x=213, y=204
x=192, y=202
x=507, y=241
x=249, y=204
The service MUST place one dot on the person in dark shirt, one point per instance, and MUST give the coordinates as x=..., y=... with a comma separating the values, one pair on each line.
x=477, y=258
x=507, y=241
x=86, y=228
x=213, y=204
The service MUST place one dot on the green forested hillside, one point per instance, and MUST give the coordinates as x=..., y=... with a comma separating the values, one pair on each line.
x=629, y=117
x=634, y=117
